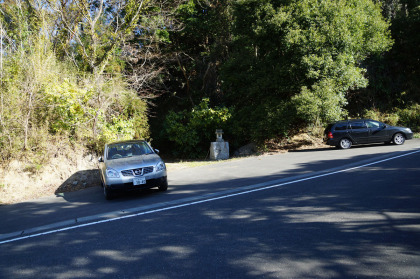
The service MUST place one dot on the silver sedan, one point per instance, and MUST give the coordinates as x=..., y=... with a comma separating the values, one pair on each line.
x=131, y=165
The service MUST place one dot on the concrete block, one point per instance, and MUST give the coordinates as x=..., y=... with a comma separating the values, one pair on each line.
x=219, y=150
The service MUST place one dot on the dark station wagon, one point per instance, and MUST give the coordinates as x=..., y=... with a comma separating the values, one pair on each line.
x=344, y=134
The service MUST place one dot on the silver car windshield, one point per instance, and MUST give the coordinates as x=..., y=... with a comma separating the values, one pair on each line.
x=128, y=149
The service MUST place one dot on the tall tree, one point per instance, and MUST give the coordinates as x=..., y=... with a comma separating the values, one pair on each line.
x=395, y=82
x=26, y=49
x=299, y=59
x=145, y=53
x=200, y=47
x=42, y=96
x=196, y=49
x=91, y=31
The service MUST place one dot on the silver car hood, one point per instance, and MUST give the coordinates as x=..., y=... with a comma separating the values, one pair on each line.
x=133, y=162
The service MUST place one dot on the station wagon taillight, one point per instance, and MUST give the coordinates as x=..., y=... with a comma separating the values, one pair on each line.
x=330, y=135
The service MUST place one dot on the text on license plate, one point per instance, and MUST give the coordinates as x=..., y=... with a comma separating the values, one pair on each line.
x=139, y=181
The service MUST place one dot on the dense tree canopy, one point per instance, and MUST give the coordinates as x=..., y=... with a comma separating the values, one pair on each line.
x=394, y=80
x=61, y=73
x=303, y=56
x=91, y=71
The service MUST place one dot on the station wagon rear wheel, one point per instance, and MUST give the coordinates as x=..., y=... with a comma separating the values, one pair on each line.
x=344, y=143
x=398, y=139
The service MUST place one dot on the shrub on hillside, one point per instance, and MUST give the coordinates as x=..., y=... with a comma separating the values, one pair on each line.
x=388, y=118
x=191, y=132
x=410, y=117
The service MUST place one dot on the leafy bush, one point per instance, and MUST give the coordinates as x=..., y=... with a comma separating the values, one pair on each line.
x=410, y=117
x=389, y=118
x=309, y=52
x=321, y=104
x=270, y=119
x=67, y=104
x=192, y=131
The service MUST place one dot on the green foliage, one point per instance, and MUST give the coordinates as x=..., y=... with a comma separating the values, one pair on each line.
x=389, y=118
x=46, y=99
x=394, y=76
x=117, y=129
x=410, y=117
x=126, y=119
x=201, y=47
x=67, y=103
x=320, y=104
x=268, y=120
x=192, y=131
x=305, y=52
x=163, y=36
x=269, y=67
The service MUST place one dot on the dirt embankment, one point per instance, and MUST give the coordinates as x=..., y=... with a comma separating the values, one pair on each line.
x=18, y=182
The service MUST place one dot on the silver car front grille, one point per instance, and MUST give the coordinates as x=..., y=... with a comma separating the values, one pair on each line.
x=147, y=170
x=137, y=172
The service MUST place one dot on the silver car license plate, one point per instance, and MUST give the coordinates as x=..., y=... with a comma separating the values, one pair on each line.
x=139, y=181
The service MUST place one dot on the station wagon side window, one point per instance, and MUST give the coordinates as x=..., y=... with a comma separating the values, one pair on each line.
x=374, y=124
x=358, y=125
x=340, y=126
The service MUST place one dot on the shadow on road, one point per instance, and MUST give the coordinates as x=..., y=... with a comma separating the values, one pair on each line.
x=90, y=201
x=80, y=180
x=359, y=224
x=366, y=146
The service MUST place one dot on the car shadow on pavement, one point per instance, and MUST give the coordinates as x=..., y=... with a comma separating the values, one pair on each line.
x=80, y=180
x=336, y=148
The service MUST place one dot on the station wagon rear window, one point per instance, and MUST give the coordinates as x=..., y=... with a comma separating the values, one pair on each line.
x=358, y=125
x=340, y=126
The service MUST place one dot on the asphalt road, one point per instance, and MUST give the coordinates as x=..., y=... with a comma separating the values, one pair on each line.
x=323, y=213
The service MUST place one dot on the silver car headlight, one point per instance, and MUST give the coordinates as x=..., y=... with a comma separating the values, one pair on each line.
x=160, y=166
x=111, y=173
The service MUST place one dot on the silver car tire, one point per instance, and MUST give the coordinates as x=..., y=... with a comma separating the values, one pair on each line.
x=107, y=193
x=398, y=139
x=163, y=187
x=344, y=143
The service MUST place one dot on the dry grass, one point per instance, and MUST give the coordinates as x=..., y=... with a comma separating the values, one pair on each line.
x=25, y=179
x=300, y=141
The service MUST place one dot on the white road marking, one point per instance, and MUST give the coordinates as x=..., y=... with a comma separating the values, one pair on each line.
x=205, y=200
